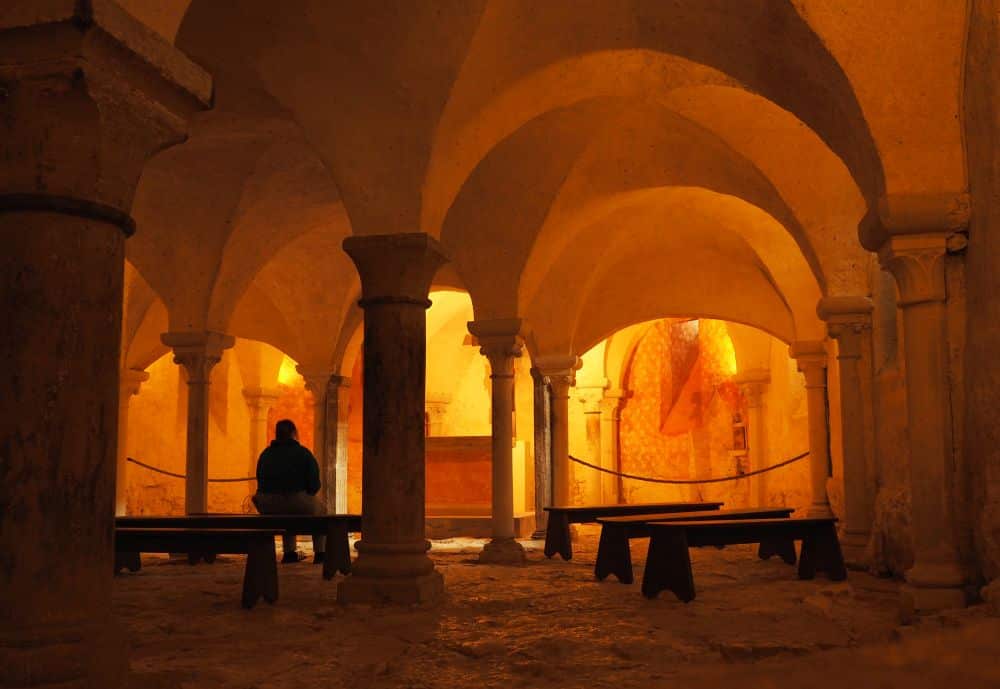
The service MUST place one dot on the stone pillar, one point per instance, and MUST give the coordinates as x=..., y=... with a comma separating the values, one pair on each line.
x=338, y=408
x=500, y=341
x=259, y=402
x=849, y=321
x=590, y=396
x=543, y=451
x=330, y=407
x=82, y=106
x=753, y=384
x=128, y=385
x=198, y=352
x=316, y=381
x=917, y=262
x=392, y=566
x=811, y=358
x=561, y=374
x=611, y=415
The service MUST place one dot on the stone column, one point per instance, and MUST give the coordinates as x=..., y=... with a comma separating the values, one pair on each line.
x=590, y=396
x=811, y=359
x=338, y=408
x=198, y=352
x=611, y=415
x=330, y=407
x=259, y=402
x=753, y=384
x=849, y=321
x=917, y=262
x=561, y=373
x=86, y=96
x=392, y=566
x=543, y=451
x=128, y=385
x=316, y=381
x=500, y=341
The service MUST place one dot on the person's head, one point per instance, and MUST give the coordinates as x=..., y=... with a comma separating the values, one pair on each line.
x=285, y=430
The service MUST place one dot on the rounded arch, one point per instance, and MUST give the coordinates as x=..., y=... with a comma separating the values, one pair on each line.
x=144, y=318
x=673, y=251
x=558, y=172
x=618, y=352
x=650, y=47
x=300, y=298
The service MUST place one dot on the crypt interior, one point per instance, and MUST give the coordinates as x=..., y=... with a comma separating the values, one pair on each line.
x=493, y=257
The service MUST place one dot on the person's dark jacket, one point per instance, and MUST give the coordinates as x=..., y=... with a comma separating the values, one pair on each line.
x=287, y=467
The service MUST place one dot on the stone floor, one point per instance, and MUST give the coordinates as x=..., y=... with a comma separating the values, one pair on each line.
x=548, y=624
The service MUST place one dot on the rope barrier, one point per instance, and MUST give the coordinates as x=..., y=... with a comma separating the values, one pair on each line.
x=170, y=473
x=633, y=477
x=677, y=481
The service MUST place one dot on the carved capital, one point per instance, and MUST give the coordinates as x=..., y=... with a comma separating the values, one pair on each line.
x=395, y=268
x=197, y=351
x=87, y=95
x=499, y=341
x=260, y=401
x=560, y=370
x=317, y=380
x=847, y=319
x=538, y=377
x=436, y=407
x=591, y=397
x=337, y=382
x=917, y=263
x=611, y=402
x=811, y=358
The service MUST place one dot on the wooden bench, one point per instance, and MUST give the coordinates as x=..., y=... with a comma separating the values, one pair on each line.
x=557, y=536
x=614, y=556
x=335, y=527
x=260, y=577
x=668, y=563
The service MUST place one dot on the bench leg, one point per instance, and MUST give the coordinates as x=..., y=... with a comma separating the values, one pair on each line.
x=557, y=538
x=831, y=560
x=614, y=555
x=338, y=551
x=783, y=547
x=668, y=566
x=260, y=578
x=808, y=557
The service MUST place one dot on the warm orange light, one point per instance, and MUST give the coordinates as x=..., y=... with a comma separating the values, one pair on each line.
x=718, y=345
x=287, y=375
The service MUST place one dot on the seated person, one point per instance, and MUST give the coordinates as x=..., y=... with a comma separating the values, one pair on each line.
x=287, y=483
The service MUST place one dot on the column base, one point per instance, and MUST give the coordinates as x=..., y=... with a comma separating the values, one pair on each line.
x=855, y=549
x=505, y=551
x=538, y=535
x=915, y=600
x=932, y=587
x=822, y=511
x=413, y=590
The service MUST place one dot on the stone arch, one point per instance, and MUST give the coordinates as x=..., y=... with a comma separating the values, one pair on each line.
x=534, y=209
x=674, y=252
x=620, y=50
